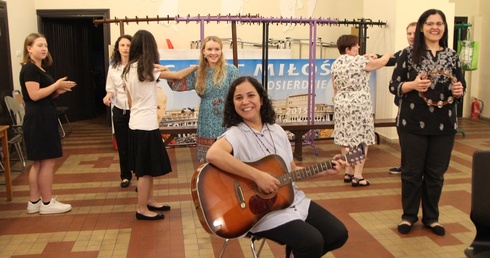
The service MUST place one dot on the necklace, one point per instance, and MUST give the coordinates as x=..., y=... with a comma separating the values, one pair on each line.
x=260, y=141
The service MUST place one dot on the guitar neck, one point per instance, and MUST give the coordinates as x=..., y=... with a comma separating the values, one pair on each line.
x=306, y=172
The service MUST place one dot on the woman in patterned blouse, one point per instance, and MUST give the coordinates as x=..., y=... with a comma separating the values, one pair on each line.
x=353, y=112
x=429, y=80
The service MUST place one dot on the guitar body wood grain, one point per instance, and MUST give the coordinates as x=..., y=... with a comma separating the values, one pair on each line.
x=219, y=208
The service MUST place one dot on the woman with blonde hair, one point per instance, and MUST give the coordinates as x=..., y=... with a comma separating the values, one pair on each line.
x=40, y=125
x=211, y=81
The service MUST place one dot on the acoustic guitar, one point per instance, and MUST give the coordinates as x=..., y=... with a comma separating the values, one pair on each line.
x=229, y=206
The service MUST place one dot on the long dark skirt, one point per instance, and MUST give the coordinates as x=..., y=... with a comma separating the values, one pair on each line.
x=148, y=156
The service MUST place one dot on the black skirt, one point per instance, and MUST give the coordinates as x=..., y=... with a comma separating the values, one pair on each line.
x=147, y=153
x=41, y=136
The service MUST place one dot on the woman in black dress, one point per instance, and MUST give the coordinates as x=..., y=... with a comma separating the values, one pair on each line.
x=40, y=125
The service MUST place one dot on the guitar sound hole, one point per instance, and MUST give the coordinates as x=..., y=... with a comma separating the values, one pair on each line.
x=259, y=205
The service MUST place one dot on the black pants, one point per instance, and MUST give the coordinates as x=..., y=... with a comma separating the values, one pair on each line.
x=425, y=159
x=120, y=119
x=320, y=233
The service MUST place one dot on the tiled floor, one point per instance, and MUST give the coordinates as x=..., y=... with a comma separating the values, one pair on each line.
x=102, y=222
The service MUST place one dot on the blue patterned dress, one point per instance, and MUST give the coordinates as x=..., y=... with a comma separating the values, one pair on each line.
x=211, y=108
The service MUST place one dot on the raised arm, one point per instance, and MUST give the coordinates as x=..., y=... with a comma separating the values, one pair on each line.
x=59, y=87
x=400, y=82
x=376, y=63
x=165, y=73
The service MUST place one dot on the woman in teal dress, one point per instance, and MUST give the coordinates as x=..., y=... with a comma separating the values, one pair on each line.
x=211, y=81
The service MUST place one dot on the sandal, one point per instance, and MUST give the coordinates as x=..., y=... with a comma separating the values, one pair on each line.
x=356, y=182
x=348, y=178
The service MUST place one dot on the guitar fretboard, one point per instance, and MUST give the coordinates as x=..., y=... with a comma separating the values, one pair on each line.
x=303, y=173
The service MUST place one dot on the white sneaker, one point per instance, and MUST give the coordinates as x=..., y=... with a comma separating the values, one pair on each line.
x=54, y=207
x=33, y=208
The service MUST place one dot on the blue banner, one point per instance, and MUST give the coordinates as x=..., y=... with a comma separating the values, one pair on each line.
x=286, y=77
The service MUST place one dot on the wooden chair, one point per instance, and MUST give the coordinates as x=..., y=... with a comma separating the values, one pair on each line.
x=480, y=206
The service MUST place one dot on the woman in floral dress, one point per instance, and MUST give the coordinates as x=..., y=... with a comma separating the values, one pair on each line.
x=353, y=114
x=211, y=81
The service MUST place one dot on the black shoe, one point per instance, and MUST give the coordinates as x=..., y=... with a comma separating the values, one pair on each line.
x=348, y=178
x=437, y=229
x=125, y=183
x=144, y=217
x=404, y=228
x=395, y=170
x=356, y=182
x=164, y=207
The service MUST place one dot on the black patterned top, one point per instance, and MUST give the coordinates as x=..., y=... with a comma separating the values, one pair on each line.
x=416, y=115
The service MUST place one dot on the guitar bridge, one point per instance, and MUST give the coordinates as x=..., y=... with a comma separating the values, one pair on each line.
x=239, y=194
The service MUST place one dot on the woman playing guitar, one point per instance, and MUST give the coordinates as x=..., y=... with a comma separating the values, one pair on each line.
x=306, y=228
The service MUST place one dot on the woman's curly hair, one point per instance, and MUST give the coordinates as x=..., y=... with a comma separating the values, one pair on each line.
x=231, y=117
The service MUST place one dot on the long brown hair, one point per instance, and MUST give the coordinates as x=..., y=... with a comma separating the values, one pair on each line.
x=219, y=71
x=143, y=50
x=48, y=61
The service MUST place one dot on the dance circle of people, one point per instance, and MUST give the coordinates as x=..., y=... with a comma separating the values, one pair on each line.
x=236, y=125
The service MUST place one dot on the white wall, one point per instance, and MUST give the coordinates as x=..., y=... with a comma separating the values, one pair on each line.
x=22, y=21
x=181, y=34
x=482, y=90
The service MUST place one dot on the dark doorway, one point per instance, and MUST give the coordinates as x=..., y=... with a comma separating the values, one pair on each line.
x=6, y=81
x=79, y=50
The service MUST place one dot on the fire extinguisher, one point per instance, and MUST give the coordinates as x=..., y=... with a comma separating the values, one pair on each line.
x=476, y=108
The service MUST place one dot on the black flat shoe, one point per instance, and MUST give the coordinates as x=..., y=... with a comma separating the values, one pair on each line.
x=165, y=207
x=140, y=216
x=404, y=228
x=437, y=229
x=125, y=183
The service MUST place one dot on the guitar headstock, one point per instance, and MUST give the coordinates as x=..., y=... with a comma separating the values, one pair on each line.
x=357, y=154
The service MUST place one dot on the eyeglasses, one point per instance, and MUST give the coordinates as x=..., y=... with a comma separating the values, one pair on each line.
x=430, y=24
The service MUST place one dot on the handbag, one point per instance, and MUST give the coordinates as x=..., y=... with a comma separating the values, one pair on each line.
x=468, y=51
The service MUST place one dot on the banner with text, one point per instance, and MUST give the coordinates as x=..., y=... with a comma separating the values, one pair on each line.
x=286, y=77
